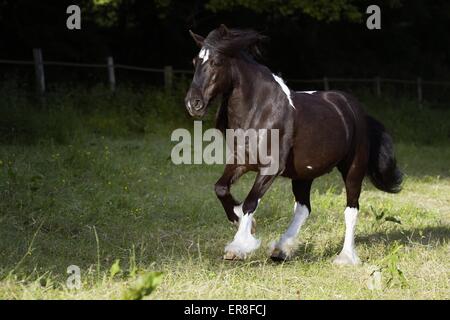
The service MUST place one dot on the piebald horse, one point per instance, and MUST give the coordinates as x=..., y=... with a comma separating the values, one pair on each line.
x=318, y=130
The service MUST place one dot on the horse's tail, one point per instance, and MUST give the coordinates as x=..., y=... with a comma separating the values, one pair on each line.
x=382, y=168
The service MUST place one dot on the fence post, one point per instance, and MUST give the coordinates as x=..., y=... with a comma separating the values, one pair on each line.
x=326, y=86
x=378, y=86
x=168, y=77
x=39, y=69
x=419, y=91
x=111, y=74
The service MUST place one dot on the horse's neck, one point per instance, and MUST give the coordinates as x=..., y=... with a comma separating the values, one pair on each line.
x=248, y=80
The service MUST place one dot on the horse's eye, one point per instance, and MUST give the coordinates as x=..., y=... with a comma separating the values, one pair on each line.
x=215, y=62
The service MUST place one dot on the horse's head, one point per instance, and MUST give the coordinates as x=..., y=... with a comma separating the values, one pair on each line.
x=211, y=75
x=215, y=62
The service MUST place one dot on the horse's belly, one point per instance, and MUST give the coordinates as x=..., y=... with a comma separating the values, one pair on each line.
x=305, y=169
x=317, y=155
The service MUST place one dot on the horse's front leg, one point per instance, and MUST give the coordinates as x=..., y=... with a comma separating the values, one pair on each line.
x=244, y=242
x=223, y=192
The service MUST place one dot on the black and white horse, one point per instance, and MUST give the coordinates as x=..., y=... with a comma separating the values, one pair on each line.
x=318, y=130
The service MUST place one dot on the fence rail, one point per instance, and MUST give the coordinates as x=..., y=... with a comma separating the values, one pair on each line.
x=39, y=63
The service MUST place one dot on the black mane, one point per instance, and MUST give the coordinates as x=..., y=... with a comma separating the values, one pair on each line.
x=233, y=41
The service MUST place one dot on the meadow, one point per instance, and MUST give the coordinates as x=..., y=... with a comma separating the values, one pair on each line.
x=86, y=179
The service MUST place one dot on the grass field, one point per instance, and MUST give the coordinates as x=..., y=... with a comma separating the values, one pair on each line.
x=86, y=179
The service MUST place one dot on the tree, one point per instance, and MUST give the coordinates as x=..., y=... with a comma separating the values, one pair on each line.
x=322, y=10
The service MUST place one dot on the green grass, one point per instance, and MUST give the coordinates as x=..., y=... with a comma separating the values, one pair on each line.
x=86, y=179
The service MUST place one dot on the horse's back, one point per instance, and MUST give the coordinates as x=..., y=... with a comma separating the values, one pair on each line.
x=336, y=108
x=327, y=126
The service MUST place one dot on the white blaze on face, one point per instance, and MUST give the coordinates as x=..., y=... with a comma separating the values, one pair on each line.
x=285, y=89
x=204, y=55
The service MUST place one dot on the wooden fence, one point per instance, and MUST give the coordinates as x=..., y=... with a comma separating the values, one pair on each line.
x=39, y=63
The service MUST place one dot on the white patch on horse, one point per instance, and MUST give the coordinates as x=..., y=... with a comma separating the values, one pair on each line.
x=288, y=241
x=204, y=55
x=285, y=89
x=244, y=242
x=348, y=254
x=309, y=167
x=307, y=92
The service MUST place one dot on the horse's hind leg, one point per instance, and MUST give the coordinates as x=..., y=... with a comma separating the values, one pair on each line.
x=287, y=243
x=353, y=177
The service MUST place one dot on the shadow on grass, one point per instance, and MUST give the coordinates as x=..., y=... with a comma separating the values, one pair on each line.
x=432, y=236
x=428, y=236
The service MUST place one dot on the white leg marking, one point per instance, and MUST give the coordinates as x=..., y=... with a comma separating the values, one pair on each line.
x=350, y=224
x=287, y=242
x=244, y=242
x=348, y=254
x=238, y=210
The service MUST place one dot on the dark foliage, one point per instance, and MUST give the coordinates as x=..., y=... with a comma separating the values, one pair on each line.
x=411, y=43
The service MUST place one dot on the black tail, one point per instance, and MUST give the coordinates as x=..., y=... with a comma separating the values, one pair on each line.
x=382, y=169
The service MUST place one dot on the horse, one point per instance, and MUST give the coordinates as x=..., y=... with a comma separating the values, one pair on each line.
x=318, y=131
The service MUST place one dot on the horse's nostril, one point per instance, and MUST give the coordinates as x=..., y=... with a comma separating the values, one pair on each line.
x=197, y=104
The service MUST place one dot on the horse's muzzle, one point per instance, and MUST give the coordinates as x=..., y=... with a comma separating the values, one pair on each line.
x=195, y=105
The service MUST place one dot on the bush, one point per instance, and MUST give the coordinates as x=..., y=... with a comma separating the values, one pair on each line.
x=67, y=113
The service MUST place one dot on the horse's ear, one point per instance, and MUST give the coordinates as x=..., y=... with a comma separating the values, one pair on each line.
x=197, y=38
x=223, y=30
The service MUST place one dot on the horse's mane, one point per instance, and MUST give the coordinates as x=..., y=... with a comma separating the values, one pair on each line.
x=232, y=41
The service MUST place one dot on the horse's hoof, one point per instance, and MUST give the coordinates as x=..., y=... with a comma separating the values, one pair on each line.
x=345, y=258
x=231, y=256
x=278, y=255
